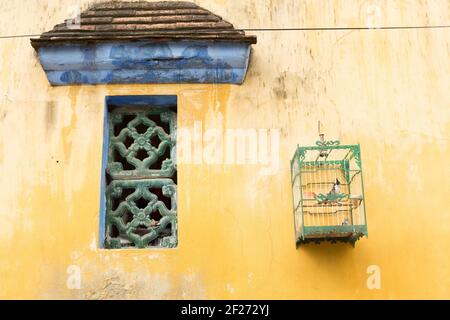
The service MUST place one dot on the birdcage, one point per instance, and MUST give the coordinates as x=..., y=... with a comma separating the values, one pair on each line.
x=328, y=193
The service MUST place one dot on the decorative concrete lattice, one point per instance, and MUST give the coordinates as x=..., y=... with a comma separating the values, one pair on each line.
x=142, y=147
x=141, y=198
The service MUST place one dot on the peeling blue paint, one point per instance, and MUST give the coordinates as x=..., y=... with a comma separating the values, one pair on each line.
x=162, y=101
x=146, y=62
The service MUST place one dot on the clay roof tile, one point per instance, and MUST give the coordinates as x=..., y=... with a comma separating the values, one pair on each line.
x=137, y=21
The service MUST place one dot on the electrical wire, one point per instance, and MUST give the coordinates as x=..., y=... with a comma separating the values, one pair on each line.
x=293, y=29
x=349, y=28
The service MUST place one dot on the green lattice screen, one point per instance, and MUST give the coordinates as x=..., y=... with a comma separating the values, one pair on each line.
x=141, y=195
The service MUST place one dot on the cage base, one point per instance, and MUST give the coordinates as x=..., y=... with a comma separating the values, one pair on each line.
x=333, y=234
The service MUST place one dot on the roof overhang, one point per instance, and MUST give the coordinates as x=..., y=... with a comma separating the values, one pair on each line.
x=165, y=47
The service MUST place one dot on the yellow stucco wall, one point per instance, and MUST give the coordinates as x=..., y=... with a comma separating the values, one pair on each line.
x=386, y=89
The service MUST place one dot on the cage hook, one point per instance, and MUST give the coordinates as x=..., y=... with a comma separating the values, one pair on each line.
x=321, y=135
x=323, y=153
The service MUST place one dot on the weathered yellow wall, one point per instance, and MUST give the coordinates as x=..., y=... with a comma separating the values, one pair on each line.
x=388, y=90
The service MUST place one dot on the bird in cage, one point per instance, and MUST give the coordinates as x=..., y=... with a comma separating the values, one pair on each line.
x=334, y=195
x=345, y=222
x=336, y=188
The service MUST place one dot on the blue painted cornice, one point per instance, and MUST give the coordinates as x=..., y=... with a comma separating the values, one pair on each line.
x=145, y=62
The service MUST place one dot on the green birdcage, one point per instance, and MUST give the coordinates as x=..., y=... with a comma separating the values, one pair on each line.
x=328, y=193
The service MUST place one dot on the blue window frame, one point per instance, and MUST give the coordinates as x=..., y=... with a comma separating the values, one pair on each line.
x=139, y=173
